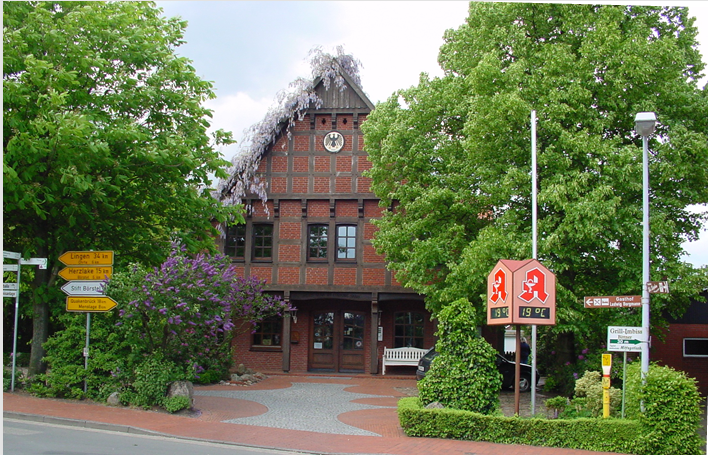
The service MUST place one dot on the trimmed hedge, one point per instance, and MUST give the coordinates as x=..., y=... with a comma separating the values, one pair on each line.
x=608, y=435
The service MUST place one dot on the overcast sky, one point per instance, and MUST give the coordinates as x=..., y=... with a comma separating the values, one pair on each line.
x=251, y=50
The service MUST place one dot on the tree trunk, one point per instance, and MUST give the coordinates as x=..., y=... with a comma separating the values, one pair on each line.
x=40, y=318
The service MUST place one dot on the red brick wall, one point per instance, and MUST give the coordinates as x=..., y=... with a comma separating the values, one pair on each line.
x=363, y=185
x=371, y=257
x=289, y=230
x=345, y=122
x=317, y=209
x=290, y=209
x=281, y=144
x=320, y=125
x=301, y=143
x=343, y=185
x=288, y=275
x=300, y=164
x=303, y=125
x=279, y=185
x=280, y=164
x=374, y=277
x=322, y=163
x=289, y=253
x=316, y=276
x=670, y=352
x=321, y=184
x=263, y=273
x=346, y=209
x=299, y=184
x=344, y=163
x=369, y=231
x=363, y=164
x=344, y=277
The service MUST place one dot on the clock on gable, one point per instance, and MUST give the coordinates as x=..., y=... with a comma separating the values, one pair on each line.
x=333, y=141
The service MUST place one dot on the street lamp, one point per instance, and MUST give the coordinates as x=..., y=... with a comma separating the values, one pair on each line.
x=644, y=124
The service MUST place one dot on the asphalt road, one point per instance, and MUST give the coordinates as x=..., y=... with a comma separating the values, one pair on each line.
x=22, y=437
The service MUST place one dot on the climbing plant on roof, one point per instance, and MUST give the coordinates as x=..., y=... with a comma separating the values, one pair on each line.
x=291, y=105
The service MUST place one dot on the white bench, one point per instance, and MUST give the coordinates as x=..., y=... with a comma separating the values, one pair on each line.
x=402, y=357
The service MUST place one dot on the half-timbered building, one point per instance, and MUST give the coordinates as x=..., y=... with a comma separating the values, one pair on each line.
x=312, y=243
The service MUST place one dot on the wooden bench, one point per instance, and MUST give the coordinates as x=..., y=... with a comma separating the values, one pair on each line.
x=402, y=357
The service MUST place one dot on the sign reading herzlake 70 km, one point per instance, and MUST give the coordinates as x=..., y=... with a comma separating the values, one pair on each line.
x=90, y=304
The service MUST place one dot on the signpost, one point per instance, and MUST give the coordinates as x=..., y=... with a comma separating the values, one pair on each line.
x=90, y=304
x=658, y=287
x=606, y=369
x=11, y=290
x=613, y=301
x=87, y=258
x=86, y=288
x=86, y=272
x=625, y=339
x=521, y=293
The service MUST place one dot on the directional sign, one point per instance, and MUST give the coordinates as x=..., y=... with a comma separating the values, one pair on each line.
x=85, y=288
x=87, y=258
x=86, y=273
x=90, y=304
x=9, y=267
x=6, y=293
x=10, y=286
x=658, y=287
x=625, y=339
x=11, y=255
x=41, y=262
x=613, y=301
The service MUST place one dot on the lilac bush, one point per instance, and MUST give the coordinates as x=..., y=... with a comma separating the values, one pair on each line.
x=184, y=310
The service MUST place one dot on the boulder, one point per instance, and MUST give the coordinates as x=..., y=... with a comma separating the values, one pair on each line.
x=435, y=405
x=241, y=369
x=114, y=399
x=181, y=388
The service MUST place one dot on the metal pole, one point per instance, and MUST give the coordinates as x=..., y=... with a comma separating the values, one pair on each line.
x=624, y=381
x=645, y=257
x=86, y=350
x=14, y=338
x=534, y=222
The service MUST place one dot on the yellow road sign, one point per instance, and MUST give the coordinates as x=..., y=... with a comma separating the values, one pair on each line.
x=87, y=258
x=86, y=273
x=90, y=304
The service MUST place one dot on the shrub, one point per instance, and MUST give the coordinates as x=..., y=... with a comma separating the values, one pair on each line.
x=590, y=388
x=176, y=403
x=464, y=374
x=608, y=435
x=149, y=386
x=672, y=411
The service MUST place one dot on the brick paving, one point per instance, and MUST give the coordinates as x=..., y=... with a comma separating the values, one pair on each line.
x=209, y=423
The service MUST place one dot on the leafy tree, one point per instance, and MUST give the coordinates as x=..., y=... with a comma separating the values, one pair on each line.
x=452, y=156
x=104, y=139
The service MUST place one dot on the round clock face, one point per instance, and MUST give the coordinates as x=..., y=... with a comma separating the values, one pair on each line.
x=333, y=141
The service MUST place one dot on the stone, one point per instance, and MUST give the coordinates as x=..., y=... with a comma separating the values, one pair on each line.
x=241, y=369
x=435, y=405
x=181, y=388
x=114, y=399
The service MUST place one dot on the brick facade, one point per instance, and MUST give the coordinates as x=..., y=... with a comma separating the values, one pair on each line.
x=351, y=297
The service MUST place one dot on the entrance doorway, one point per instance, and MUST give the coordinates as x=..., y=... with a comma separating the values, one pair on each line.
x=337, y=341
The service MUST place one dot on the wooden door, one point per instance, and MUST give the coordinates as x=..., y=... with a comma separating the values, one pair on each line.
x=337, y=341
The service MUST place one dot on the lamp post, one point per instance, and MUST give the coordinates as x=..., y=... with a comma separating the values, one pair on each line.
x=644, y=124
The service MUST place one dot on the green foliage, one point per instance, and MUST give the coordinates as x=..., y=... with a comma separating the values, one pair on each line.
x=176, y=403
x=454, y=155
x=590, y=388
x=105, y=142
x=608, y=435
x=464, y=374
x=210, y=377
x=150, y=381
x=672, y=410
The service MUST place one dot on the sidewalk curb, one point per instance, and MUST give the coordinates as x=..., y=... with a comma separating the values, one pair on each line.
x=80, y=423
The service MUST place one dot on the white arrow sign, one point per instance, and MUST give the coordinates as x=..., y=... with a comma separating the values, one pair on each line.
x=85, y=288
x=41, y=262
x=11, y=255
x=6, y=293
x=10, y=286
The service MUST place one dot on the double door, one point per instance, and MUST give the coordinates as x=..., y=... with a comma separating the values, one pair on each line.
x=337, y=342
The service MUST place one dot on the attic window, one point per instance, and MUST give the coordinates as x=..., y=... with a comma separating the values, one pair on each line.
x=324, y=121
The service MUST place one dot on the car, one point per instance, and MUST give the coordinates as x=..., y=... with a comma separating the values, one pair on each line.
x=505, y=367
